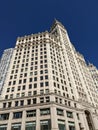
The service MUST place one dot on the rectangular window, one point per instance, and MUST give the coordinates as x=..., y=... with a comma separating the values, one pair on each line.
x=34, y=100
x=16, y=126
x=45, y=111
x=9, y=104
x=23, y=87
x=41, y=92
x=34, y=92
x=45, y=125
x=24, y=81
x=35, y=85
x=47, y=99
x=46, y=76
x=16, y=103
x=69, y=114
x=60, y=112
x=71, y=125
x=61, y=124
x=41, y=77
x=47, y=91
x=29, y=93
x=4, y=116
x=3, y=127
x=31, y=113
x=30, y=80
x=28, y=101
x=21, y=102
x=41, y=100
x=41, y=84
x=22, y=94
x=19, y=88
x=30, y=126
x=17, y=115
x=46, y=83
x=35, y=78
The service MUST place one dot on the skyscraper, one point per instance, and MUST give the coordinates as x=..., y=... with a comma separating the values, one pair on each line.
x=48, y=85
x=4, y=65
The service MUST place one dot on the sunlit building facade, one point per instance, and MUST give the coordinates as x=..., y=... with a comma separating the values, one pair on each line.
x=4, y=65
x=48, y=85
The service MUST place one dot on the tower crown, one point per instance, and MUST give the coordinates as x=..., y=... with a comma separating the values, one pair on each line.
x=55, y=23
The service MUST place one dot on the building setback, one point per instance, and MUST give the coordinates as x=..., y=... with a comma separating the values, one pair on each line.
x=48, y=85
x=4, y=65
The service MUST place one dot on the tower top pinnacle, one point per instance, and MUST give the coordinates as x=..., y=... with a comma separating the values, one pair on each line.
x=55, y=23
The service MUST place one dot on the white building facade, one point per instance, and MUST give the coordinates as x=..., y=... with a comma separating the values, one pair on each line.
x=4, y=65
x=48, y=85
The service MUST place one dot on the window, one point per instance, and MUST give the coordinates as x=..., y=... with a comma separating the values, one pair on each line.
x=46, y=76
x=35, y=73
x=47, y=91
x=9, y=104
x=71, y=125
x=30, y=126
x=3, y=127
x=6, y=96
x=34, y=92
x=17, y=95
x=46, y=71
x=28, y=101
x=12, y=89
x=41, y=92
x=23, y=87
x=4, y=116
x=78, y=116
x=41, y=72
x=25, y=74
x=9, y=83
x=69, y=114
x=47, y=99
x=35, y=85
x=16, y=126
x=31, y=113
x=17, y=115
x=41, y=84
x=34, y=100
x=29, y=93
x=45, y=125
x=46, y=84
x=60, y=112
x=30, y=80
x=4, y=105
x=21, y=102
x=8, y=89
x=16, y=103
x=22, y=94
x=41, y=77
x=19, y=88
x=11, y=96
x=24, y=81
x=20, y=81
x=41, y=100
x=35, y=78
x=45, y=111
x=30, y=86
x=61, y=124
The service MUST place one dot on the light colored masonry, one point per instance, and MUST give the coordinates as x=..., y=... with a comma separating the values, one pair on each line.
x=48, y=85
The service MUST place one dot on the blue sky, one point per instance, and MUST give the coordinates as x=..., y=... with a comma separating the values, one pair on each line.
x=24, y=17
